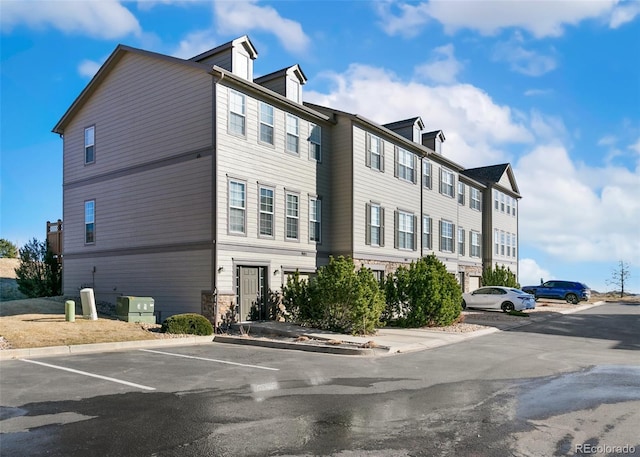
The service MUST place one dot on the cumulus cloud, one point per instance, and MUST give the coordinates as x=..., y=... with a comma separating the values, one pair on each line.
x=541, y=19
x=476, y=127
x=88, y=68
x=442, y=68
x=104, y=19
x=624, y=13
x=530, y=273
x=243, y=16
x=195, y=43
x=525, y=61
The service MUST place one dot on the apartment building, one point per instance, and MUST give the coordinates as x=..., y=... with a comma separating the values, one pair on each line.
x=195, y=183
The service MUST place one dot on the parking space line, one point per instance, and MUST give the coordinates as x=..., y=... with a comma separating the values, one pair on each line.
x=92, y=375
x=211, y=360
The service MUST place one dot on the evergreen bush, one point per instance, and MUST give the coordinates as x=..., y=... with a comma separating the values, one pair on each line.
x=499, y=276
x=189, y=323
x=39, y=273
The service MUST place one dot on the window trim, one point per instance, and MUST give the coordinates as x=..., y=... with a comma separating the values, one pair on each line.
x=312, y=220
x=427, y=237
x=443, y=247
x=295, y=217
x=370, y=226
x=242, y=115
x=461, y=241
x=91, y=128
x=427, y=178
x=370, y=139
x=405, y=168
x=295, y=135
x=261, y=123
x=475, y=203
x=461, y=193
x=93, y=222
x=313, y=145
x=272, y=213
x=413, y=234
x=446, y=188
x=230, y=207
x=473, y=247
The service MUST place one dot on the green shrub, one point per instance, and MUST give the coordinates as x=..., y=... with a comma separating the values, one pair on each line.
x=499, y=276
x=39, y=273
x=189, y=323
x=425, y=294
x=295, y=298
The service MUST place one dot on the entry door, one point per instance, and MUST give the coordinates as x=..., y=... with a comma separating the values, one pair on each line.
x=249, y=290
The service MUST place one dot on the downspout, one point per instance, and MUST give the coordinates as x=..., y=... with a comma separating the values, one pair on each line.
x=214, y=199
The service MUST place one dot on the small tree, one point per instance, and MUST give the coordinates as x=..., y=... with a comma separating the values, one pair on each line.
x=39, y=272
x=8, y=249
x=500, y=276
x=620, y=276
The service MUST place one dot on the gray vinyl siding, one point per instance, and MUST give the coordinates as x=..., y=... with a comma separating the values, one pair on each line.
x=470, y=220
x=440, y=207
x=145, y=110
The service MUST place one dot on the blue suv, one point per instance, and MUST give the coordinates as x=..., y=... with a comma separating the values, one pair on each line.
x=572, y=292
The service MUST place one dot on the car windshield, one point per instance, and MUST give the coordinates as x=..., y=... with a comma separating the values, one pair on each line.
x=518, y=291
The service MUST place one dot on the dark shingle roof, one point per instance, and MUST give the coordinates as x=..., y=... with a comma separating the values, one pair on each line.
x=399, y=124
x=487, y=175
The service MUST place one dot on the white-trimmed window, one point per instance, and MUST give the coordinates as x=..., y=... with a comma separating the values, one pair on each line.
x=496, y=200
x=90, y=221
x=237, y=207
x=513, y=207
x=375, y=155
x=315, y=142
x=405, y=165
x=89, y=145
x=447, y=183
x=292, y=216
x=237, y=113
x=315, y=219
x=475, y=244
x=426, y=174
x=293, y=90
x=513, y=245
x=293, y=139
x=461, y=240
x=502, y=196
x=508, y=205
x=508, y=244
x=375, y=225
x=460, y=193
x=502, y=240
x=496, y=240
x=266, y=212
x=475, y=201
x=447, y=229
x=427, y=239
x=266, y=123
x=405, y=230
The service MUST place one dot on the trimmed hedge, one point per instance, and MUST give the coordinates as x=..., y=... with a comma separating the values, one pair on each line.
x=189, y=323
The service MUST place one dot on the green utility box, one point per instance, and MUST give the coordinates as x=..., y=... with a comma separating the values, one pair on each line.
x=135, y=309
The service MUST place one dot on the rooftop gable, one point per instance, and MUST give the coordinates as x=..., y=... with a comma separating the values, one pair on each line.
x=495, y=175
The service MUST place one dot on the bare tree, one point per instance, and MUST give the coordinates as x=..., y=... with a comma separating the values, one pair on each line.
x=619, y=276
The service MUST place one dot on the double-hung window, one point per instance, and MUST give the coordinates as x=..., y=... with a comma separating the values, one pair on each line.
x=508, y=244
x=374, y=157
x=461, y=240
x=460, y=193
x=502, y=196
x=292, y=213
x=315, y=142
x=446, y=183
x=427, y=241
x=405, y=230
x=293, y=139
x=496, y=200
x=502, y=239
x=266, y=123
x=496, y=240
x=90, y=221
x=237, y=113
x=375, y=225
x=237, y=207
x=475, y=202
x=266, y=212
x=89, y=145
x=513, y=245
x=475, y=244
x=426, y=174
x=513, y=207
x=315, y=218
x=446, y=236
x=405, y=168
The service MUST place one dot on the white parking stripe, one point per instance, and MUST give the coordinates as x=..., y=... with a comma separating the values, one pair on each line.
x=211, y=360
x=84, y=373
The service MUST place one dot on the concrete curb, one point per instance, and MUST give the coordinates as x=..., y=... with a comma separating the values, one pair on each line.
x=9, y=354
x=227, y=339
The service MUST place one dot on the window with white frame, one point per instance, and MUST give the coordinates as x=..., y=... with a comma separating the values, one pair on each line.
x=446, y=183
x=502, y=202
x=496, y=200
x=446, y=236
x=475, y=244
x=513, y=207
x=292, y=216
x=405, y=230
x=405, y=165
x=266, y=123
x=237, y=113
x=427, y=240
x=266, y=211
x=375, y=225
x=293, y=139
x=496, y=240
x=237, y=207
x=90, y=221
x=293, y=90
x=508, y=205
x=460, y=193
x=513, y=245
x=461, y=240
x=475, y=199
x=426, y=174
x=315, y=142
x=89, y=144
x=502, y=240
x=508, y=244
x=374, y=157
x=315, y=217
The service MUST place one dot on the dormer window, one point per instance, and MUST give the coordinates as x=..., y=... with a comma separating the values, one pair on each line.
x=438, y=145
x=242, y=65
x=293, y=90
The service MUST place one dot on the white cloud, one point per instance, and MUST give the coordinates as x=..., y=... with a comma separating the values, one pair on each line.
x=88, y=68
x=195, y=43
x=488, y=17
x=105, y=19
x=624, y=13
x=243, y=16
x=537, y=92
x=442, y=68
x=475, y=126
x=521, y=60
x=530, y=273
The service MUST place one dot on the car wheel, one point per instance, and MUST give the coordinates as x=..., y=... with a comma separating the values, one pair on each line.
x=464, y=304
x=507, y=306
x=572, y=298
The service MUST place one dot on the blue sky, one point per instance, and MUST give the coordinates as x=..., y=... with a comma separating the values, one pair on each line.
x=553, y=87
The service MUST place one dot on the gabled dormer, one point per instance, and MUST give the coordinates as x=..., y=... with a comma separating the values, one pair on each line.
x=408, y=128
x=236, y=56
x=287, y=82
x=433, y=140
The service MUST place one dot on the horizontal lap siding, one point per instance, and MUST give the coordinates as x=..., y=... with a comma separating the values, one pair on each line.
x=145, y=110
x=341, y=163
x=470, y=220
x=440, y=207
x=173, y=279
